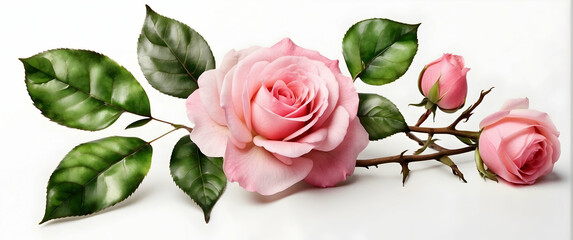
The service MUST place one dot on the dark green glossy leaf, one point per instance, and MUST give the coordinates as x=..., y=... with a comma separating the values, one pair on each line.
x=199, y=176
x=379, y=116
x=96, y=175
x=171, y=55
x=138, y=123
x=379, y=51
x=82, y=89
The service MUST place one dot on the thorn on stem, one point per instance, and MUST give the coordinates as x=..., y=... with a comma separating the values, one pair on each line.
x=468, y=117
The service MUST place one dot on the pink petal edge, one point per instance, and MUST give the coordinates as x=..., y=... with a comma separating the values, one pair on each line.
x=257, y=170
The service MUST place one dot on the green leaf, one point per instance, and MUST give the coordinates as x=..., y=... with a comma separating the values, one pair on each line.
x=96, y=175
x=171, y=55
x=379, y=116
x=138, y=123
x=379, y=51
x=199, y=176
x=82, y=89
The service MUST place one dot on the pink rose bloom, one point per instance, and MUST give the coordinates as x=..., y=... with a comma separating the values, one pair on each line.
x=449, y=70
x=278, y=115
x=519, y=144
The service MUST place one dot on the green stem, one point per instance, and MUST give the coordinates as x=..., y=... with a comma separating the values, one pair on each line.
x=165, y=134
x=172, y=124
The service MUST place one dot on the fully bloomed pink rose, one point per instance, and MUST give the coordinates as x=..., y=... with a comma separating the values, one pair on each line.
x=449, y=70
x=519, y=144
x=278, y=115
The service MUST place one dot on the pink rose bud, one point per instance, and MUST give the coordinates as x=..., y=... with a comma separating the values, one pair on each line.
x=443, y=82
x=519, y=144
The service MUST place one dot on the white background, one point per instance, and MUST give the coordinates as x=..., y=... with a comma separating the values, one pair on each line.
x=522, y=48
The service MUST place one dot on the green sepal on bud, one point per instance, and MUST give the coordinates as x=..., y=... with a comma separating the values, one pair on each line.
x=434, y=94
x=428, y=105
x=484, y=173
x=434, y=99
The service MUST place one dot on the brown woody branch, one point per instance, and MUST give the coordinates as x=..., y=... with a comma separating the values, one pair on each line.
x=405, y=159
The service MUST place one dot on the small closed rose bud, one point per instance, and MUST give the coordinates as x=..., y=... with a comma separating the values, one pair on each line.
x=443, y=82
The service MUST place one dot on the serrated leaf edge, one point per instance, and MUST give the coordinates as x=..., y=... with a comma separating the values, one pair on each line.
x=86, y=50
x=365, y=65
x=88, y=214
x=206, y=214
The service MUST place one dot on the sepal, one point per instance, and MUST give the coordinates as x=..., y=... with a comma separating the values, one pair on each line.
x=434, y=94
x=428, y=105
x=484, y=173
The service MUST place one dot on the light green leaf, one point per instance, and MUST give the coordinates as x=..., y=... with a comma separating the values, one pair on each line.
x=379, y=51
x=171, y=55
x=97, y=175
x=82, y=89
x=199, y=176
x=379, y=116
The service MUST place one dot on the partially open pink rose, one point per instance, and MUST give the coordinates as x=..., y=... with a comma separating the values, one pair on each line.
x=449, y=70
x=519, y=144
x=278, y=115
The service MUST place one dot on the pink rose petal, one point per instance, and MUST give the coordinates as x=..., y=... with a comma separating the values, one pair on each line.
x=332, y=167
x=207, y=134
x=258, y=170
x=517, y=103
